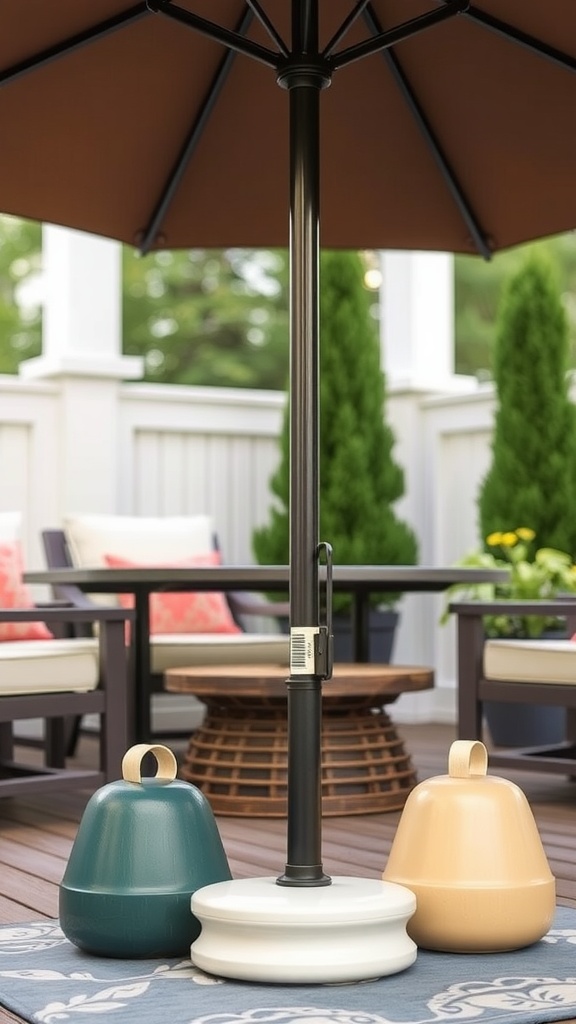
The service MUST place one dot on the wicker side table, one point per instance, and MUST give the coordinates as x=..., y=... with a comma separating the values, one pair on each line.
x=238, y=757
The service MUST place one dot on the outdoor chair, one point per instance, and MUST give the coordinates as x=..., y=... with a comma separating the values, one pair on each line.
x=540, y=672
x=53, y=679
x=94, y=541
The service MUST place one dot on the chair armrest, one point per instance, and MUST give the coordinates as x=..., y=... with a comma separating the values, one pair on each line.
x=65, y=613
x=66, y=622
x=562, y=607
x=474, y=611
x=69, y=595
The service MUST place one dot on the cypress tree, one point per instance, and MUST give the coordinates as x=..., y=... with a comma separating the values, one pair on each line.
x=532, y=478
x=359, y=479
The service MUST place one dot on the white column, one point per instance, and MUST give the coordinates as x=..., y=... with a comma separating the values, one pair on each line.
x=82, y=355
x=82, y=321
x=417, y=319
x=417, y=352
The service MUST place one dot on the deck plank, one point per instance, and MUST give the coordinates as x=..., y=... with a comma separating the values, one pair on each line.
x=9, y=1018
x=34, y=895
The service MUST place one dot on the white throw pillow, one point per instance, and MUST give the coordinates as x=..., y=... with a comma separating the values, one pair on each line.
x=148, y=539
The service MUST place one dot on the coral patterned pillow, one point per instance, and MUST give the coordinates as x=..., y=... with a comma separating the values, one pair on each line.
x=185, y=611
x=15, y=594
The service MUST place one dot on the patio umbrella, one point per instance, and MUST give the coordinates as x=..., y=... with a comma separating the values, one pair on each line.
x=448, y=125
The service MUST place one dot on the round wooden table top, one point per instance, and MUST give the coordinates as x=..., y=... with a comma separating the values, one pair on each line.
x=270, y=680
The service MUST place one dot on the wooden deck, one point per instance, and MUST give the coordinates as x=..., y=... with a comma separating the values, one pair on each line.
x=36, y=835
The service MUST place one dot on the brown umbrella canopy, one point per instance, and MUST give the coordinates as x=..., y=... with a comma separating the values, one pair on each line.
x=446, y=125
x=460, y=138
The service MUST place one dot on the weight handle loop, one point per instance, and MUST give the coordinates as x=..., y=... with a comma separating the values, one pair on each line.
x=466, y=758
x=167, y=766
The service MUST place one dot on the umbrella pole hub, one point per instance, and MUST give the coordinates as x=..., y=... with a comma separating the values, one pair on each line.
x=306, y=70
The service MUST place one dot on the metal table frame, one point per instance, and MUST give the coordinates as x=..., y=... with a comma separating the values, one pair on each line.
x=360, y=581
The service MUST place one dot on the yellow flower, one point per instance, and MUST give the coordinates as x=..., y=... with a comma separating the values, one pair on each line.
x=494, y=539
x=508, y=540
x=543, y=574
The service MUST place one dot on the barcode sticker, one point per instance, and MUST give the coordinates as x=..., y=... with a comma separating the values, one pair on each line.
x=302, y=649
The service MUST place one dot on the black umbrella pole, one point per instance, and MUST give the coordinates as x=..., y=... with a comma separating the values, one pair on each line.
x=304, y=841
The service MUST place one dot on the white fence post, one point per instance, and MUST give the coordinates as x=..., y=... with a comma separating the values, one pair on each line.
x=417, y=341
x=417, y=319
x=82, y=351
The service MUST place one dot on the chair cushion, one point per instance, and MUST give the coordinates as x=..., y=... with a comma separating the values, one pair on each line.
x=530, y=661
x=183, y=611
x=55, y=666
x=15, y=594
x=183, y=650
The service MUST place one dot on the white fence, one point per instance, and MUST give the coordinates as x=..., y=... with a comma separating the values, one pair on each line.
x=79, y=444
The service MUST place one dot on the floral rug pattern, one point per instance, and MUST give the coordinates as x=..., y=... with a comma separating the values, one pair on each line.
x=46, y=980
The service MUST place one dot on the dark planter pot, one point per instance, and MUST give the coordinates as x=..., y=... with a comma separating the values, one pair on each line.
x=526, y=725
x=382, y=628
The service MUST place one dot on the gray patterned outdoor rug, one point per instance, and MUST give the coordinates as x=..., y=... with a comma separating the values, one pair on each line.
x=46, y=980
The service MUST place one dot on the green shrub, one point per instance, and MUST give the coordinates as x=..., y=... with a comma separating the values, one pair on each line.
x=359, y=479
x=532, y=478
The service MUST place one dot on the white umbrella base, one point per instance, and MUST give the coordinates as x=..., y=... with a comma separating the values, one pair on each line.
x=256, y=930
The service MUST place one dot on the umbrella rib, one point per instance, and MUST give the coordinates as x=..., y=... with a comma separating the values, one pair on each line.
x=346, y=24
x=229, y=38
x=521, y=38
x=179, y=167
x=270, y=28
x=398, y=34
x=74, y=42
x=478, y=235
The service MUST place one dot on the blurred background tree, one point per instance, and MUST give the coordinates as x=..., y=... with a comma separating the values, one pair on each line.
x=531, y=480
x=478, y=290
x=220, y=317
x=361, y=481
x=20, y=313
x=217, y=317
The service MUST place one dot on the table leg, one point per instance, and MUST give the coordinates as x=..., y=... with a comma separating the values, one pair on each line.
x=140, y=724
x=470, y=643
x=360, y=627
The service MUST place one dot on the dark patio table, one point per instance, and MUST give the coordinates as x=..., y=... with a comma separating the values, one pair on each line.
x=360, y=581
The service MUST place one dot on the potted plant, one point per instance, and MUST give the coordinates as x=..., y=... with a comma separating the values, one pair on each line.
x=360, y=481
x=534, y=573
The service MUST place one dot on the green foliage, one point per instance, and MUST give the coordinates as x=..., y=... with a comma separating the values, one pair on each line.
x=20, y=329
x=359, y=479
x=532, y=477
x=216, y=317
x=534, y=574
x=478, y=287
